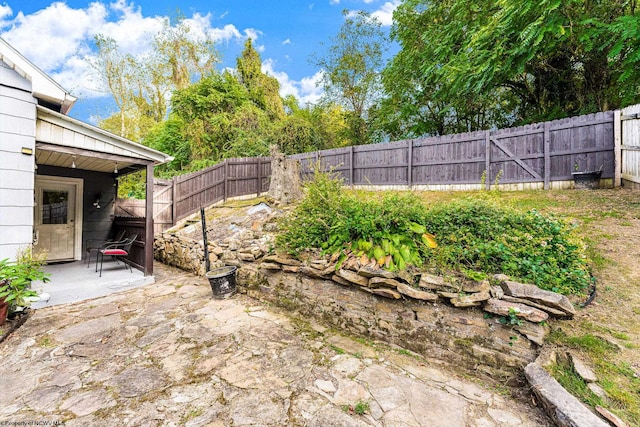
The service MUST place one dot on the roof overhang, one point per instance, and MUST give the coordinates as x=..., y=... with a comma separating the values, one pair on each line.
x=67, y=142
x=43, y=87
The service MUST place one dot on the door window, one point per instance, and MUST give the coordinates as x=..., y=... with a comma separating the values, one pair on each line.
x=54, y=207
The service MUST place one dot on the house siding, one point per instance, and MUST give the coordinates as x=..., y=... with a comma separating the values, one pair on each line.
x=96, y=223
x=17, y=131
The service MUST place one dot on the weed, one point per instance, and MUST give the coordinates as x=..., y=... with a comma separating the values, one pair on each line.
x=338, y=350
x=360, y=408
x=511, y=319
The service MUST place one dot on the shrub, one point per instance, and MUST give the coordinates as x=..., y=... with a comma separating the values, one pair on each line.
x=527, y=246
x=473, y=236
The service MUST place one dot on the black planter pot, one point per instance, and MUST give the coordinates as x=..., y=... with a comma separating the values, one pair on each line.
x=587, y=180
x=222, y=281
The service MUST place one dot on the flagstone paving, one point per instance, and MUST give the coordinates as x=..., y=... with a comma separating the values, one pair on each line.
x=168, y=354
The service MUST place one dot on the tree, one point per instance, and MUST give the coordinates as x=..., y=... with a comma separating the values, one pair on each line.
x=491, y=64
x=264, y=90
x=142, y=86
x=351, y=69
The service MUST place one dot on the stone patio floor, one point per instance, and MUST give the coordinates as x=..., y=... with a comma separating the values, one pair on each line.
x=168, y=354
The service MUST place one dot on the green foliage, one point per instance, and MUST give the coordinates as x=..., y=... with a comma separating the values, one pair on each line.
x=16, y=278
x=511, y=319
x=527, y=246
x=386, y=229
x=471, y=235
x=351, y=66
x=465, y=67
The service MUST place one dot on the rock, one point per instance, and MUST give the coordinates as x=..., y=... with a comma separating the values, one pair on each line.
x=314, y=272
x=412, y=292
x=448, y=295
x=270, y=266
x=611, y=417
x=598, y=391
x=581, y=368
x=533, y=331
x=501, y=278
x=387, y=293
x=326, y=386
x=497, y=292
x=474, y=287
x=540, y=296
x=549, y=310
x=246, y=257
x=378, y=282
x=368, y=271
x=501, y=308
x=281, y=260
x=352, y=277
x=430, y=281
x=562, y=407
x=339, y=280
x=471, y=300
x=290, y=269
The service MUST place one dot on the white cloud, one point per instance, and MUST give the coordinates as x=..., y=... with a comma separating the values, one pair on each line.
x=58, y=38
x=286, y=42
x=252, y=33
x=307, y=91
x=368, y=1
x=5, y=10
x=334, y=2
x=385, y=13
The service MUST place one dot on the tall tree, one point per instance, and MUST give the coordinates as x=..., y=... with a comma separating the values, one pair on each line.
x=351, y=69
x=511, y=62
x=264, y=90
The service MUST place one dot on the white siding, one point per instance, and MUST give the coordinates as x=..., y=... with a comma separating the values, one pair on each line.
x=17, y=130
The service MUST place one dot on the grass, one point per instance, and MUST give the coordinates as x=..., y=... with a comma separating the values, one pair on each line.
x=605, y=219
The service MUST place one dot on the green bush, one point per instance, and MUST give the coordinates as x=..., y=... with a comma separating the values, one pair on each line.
x=527, y=246
x=473, y=236
x=386, y=229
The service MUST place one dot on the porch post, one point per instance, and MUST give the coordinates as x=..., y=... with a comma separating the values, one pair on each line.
x=148, y=241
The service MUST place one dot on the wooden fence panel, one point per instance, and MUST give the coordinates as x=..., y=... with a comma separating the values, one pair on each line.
x=630, y=156
x=381, y=164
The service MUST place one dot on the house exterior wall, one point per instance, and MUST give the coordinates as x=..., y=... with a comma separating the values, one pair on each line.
x=17, y=131
x=96, y=223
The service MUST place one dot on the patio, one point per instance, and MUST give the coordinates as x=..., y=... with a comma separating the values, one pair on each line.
x=74, y=281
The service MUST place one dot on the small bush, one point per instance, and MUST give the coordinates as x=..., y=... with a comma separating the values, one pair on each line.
x=472, y=235
x=528, y=246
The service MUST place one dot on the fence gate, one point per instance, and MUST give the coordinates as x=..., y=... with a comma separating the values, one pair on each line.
x=630, y=147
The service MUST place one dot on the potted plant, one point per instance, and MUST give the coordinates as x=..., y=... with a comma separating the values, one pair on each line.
x=15, y=282
x=586, y=179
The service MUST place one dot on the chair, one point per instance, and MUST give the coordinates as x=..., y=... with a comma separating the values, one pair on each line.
x=115, y=250
x=94, y=245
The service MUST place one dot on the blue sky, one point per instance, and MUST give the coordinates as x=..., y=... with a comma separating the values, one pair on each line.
x=56, y=36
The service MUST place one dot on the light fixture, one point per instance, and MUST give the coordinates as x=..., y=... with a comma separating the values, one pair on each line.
x=73, y=163
x=96, y=204
x=115, y=170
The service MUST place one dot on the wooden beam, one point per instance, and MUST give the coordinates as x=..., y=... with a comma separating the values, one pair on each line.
x=487, y=160
x=148, y=241
x=44, y=146
x=514, y=158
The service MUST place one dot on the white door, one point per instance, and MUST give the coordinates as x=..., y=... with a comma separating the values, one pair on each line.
x=55, y=223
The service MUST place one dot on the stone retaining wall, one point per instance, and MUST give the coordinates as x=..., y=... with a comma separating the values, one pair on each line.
x=493, y=327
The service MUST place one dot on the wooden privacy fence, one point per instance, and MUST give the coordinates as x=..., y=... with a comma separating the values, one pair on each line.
x=177, y=198
x=630, y=145
x=541, y=155
x=538, y=153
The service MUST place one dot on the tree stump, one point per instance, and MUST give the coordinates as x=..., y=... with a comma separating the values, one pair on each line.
x=285, y=186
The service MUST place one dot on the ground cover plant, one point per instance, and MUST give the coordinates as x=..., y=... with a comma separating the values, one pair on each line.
x=472, y=236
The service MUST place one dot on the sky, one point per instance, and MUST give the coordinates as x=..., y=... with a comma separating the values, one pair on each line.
x=57, y=36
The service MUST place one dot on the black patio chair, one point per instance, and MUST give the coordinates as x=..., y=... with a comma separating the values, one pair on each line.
x=94, y=245
x=116, y=250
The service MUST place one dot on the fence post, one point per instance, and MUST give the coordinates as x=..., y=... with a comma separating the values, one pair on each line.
x=410, y=165
x=547, y=155
x=487, y=160
x=351, y=166
x=617, y=148
x=259, y=179
x=174, y=200
x=226, y=174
